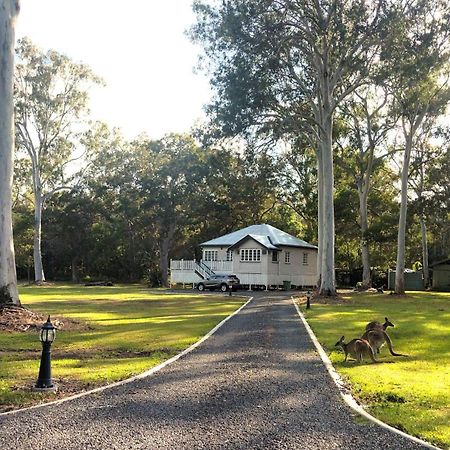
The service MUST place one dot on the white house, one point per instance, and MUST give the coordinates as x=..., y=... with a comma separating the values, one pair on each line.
x=260, y=255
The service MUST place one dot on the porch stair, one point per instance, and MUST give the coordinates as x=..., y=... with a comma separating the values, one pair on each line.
x=202, y=270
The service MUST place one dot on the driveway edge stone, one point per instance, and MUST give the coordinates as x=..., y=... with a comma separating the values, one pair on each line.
x=345, y=392
x=145, y=374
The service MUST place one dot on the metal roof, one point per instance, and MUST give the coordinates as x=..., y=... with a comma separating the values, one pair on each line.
x=442, y=262
x=267, y=235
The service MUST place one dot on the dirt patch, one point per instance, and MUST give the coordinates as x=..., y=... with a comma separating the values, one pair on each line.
x=322, y=299
x=16, y=318
x=65, y=386
x=398, y=295
x=23, y=354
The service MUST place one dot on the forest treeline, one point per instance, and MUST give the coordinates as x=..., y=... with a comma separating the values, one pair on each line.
x=91, y=204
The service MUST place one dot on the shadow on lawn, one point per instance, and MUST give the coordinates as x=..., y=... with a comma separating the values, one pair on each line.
x=256, y=384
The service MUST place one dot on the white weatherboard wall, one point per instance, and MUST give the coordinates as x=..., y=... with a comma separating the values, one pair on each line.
x=268, y=272
x=184, y=276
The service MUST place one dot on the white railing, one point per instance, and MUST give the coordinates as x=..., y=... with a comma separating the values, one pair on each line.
x=182, y=264
x=189, y=271
x=204, y=271
x=220, y=266
x=189, y=264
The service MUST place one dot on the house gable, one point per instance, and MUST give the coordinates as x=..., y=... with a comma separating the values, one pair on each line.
x=264, y=241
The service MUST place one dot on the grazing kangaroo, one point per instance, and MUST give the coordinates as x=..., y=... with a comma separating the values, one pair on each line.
x=356, y=348
x=377, y=338
x=377, y=325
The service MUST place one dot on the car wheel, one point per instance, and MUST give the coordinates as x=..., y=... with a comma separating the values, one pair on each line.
x=201, y=287
x=223, y=287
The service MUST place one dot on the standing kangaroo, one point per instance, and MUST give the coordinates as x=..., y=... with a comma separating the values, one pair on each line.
x=377, y=325
x=356, y=348
x=376, y=335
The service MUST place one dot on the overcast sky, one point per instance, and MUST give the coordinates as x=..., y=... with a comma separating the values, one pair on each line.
x=138, y=47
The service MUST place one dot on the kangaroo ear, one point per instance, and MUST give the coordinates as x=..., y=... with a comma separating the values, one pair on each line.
x=386, y=319
x=342, y=339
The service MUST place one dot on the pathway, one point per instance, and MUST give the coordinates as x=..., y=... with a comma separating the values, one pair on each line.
x=255, y=384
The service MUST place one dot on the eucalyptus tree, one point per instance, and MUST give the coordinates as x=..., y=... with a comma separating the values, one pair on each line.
x=173, y=187
x=283, y=67
x=298, y=182
x=51, y=94
x=426, y=177
x=9, y=9
x=123, y=229
x=365, y=121
x=381, y=206
x=417, y=72
x=241, y=187
x=438, y=201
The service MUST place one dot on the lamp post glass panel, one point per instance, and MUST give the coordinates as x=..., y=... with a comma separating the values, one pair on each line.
x=47, y=336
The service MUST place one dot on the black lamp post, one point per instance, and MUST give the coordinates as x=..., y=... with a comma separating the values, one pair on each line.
x=47, y=336
x=308, y=299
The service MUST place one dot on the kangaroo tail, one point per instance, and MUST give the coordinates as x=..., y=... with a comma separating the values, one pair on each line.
x=389, y=344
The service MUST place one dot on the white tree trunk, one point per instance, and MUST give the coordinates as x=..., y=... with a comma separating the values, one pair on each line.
x=327, y=282
x=364, y=226
x=164, y=254
x=426, y=270
x=319, y=215
x=401, y=239
x=75, y=270
x=8, y=279
x=37, y=244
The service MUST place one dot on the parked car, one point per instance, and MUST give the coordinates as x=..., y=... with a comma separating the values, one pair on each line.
x=222, y=282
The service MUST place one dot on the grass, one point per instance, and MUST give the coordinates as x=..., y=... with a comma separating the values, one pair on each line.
x=411, y=393
x=130, y=330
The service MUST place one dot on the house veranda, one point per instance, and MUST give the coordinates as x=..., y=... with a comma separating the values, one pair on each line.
x=259, y=255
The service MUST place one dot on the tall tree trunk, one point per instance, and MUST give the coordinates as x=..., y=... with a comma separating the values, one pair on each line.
x=319, y=215
x=37, y=244
x=327, y=283
x=426, y=270
x=164, y=254
x=401, y=239
x=363, y=190
x=75, y=270
x=9, y=10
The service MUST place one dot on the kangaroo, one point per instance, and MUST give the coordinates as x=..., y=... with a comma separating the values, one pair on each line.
x=377, y=338
x=377, y=325
x=356, y=348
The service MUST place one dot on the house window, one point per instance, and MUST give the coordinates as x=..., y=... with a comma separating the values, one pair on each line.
x=229, y=255
x=251, y=254
x=274, y=256
x=287, y=257
x=210, y=255
x=305, y=259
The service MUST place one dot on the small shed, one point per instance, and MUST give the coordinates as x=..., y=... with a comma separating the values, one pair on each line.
x=413, y=280
x=441, y=275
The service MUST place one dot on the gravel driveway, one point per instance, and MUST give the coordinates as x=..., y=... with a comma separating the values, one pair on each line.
x=255, y=384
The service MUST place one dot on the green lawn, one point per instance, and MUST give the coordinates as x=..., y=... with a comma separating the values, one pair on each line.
x=411, y=393
x=130, y=330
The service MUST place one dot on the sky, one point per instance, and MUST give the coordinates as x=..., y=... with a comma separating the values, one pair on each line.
x=140, y=50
